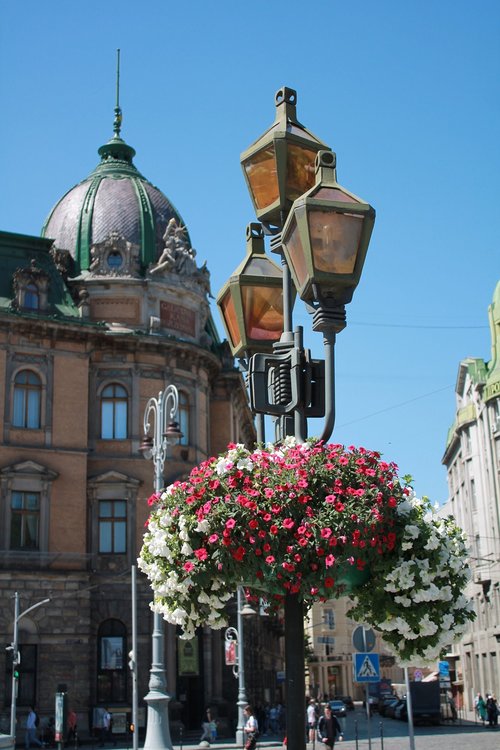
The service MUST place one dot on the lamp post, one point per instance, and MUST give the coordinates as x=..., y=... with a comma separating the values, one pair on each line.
x=160, y=431
x=321, y=232
x=16, y=658
x=235, y=635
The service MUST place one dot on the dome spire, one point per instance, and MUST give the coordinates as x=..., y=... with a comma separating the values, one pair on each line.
x=116, y=152
x=117, y=125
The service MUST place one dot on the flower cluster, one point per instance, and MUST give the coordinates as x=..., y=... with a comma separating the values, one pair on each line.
x=307, y=519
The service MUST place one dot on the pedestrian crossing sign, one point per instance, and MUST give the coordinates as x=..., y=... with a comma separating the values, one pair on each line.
x=366, y=667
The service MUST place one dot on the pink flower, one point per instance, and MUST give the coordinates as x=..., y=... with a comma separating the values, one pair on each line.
x=213, y=538
x=329, y=561
x=269, y=559
x=201, y=553
x=326, y=533
x=230, y=523
x=288, y=523
x=188, y=566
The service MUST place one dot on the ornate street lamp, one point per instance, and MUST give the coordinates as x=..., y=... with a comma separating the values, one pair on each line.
x=325, y=238
x=279, y=166
x=251, y=301
x=235, y=635
x=322, y=232
x=159, y=419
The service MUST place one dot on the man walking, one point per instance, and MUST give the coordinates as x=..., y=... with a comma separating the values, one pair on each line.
x=30, y=736
x=329, y=728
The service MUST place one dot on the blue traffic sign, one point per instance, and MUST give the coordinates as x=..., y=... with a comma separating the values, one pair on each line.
x=366, y=667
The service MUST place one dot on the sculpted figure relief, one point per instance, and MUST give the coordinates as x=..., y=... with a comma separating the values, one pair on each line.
x=179, y=258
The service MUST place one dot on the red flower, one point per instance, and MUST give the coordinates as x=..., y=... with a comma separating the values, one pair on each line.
x=329, y=582
x=201, y=553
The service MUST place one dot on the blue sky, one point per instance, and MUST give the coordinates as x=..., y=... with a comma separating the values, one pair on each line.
x=406, y=93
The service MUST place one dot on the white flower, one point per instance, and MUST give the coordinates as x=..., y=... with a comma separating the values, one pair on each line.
x=412, y=531
x=245, y=463
x=203, y=526
x=186, y=550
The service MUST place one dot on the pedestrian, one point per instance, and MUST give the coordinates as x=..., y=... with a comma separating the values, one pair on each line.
x=32, y=722
x=206, y=726
x=251, y=728
x=107, y=726
x=312, y=720
x=492, y=710
x=329, y=728
x=481, y=707
x=72, y=733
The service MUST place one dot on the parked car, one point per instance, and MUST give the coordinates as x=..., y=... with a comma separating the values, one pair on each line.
x=390, y=710
x=401, y=710
x=349, y=703
x=338, y=708
x=388, y=701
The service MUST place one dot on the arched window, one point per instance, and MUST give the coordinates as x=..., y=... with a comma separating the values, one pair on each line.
x=27, y=400
x=114, y=403
x=111, y=662
x=184, y=416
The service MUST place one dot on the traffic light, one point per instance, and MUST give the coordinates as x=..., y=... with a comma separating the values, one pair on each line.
x=16, y=672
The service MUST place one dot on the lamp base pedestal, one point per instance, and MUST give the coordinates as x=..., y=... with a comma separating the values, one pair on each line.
x=158, y=728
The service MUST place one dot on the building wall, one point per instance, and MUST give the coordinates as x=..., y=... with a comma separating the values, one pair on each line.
x=472, y=460
x=76, y=469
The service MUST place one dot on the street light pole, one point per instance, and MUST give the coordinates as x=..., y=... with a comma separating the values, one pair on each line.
x=155, y=447
x=321, y=231
x=236, y=634
x=15, y=658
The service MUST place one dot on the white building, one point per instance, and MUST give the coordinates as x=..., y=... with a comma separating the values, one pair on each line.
x=472, y=459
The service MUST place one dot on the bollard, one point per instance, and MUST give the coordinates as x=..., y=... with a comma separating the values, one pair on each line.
x=356, y=733
x=180, y=737
x=381, y=735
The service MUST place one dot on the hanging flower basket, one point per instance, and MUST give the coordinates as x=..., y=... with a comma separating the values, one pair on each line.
x=314, y=520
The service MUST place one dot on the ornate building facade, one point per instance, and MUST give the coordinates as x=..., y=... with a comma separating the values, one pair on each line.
x=472, y=460
x=102, y=312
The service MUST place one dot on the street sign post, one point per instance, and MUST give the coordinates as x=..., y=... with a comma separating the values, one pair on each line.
x=366, y=667
x=363, y=639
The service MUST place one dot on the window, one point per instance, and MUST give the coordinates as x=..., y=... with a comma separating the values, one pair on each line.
x=112, y=526
x=329, y=619
x=111, y=662
x=27, y=400
x=184, y=417
x=31, y=297
x=114, y=403
x=25, y=520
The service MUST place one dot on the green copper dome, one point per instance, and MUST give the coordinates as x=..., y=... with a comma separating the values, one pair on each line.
x=114, y=199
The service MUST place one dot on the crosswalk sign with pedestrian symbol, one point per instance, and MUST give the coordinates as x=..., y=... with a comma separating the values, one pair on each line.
x=366, y=667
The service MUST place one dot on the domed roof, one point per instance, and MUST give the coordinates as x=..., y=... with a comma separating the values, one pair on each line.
x=114, y=198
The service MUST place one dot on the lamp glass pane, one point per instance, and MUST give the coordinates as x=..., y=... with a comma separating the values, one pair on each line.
x=263, y=177
x=333, y=194
x=260, y=265
x=263, y=311
x=295, y=250
x=229, y=314
x=300, y=175
x=335, y=240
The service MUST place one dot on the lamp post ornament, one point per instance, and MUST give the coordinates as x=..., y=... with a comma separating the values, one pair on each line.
x=300, y=519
